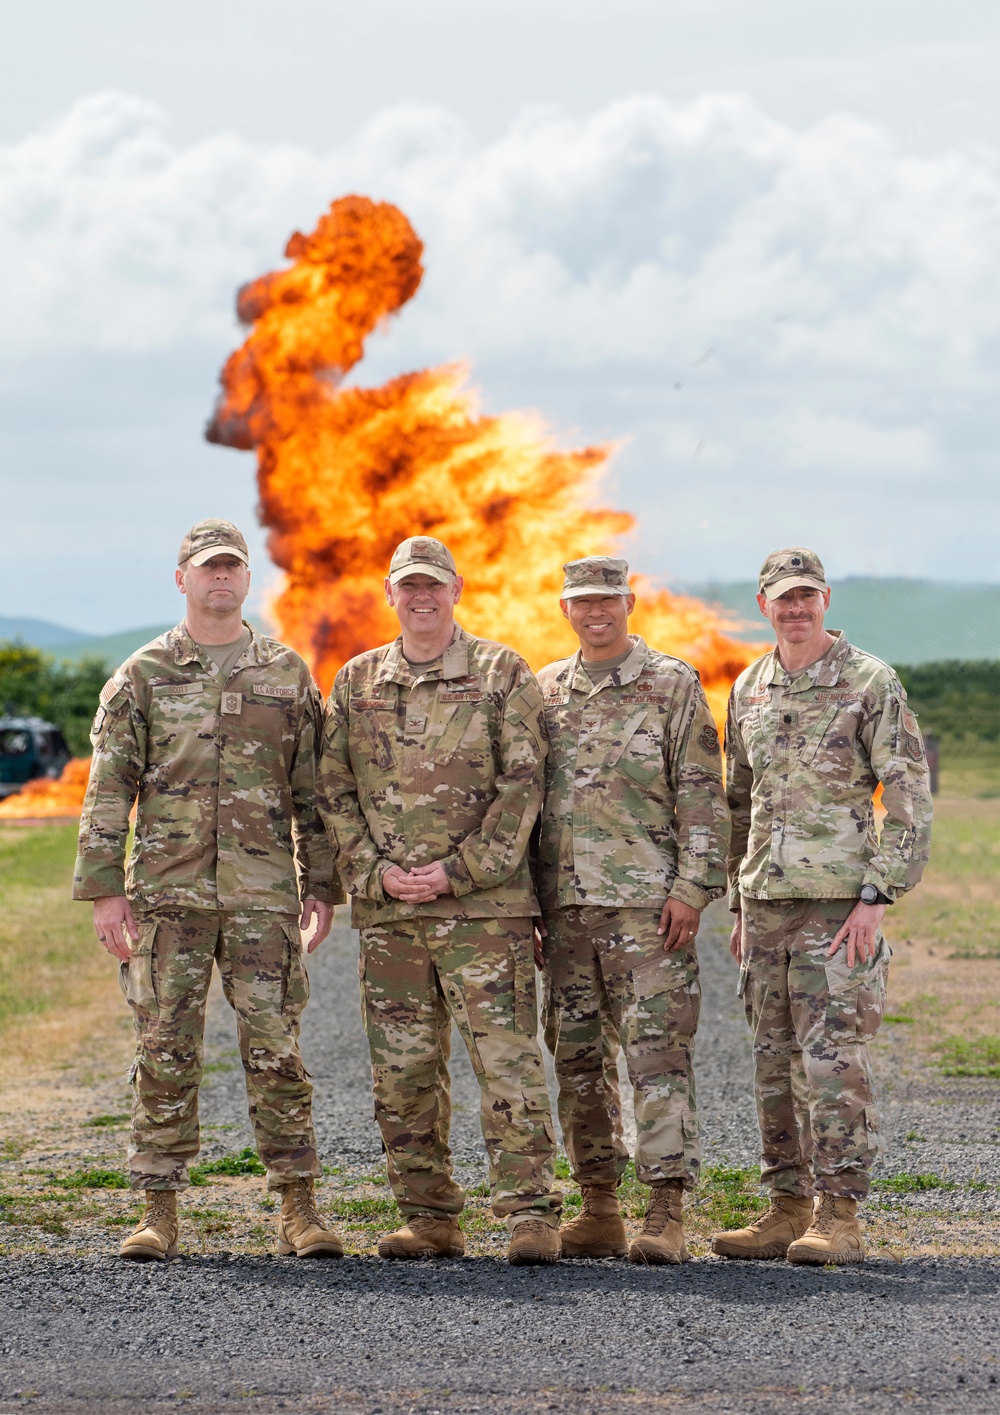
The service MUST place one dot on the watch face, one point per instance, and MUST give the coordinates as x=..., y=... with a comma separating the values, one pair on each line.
x=869, y=894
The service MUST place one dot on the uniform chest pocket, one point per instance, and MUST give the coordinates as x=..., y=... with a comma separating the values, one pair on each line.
x=831, y=735
x=183, y=704
x=758, y=738
x=374, y=736
x=636, y=750
x=467, y=729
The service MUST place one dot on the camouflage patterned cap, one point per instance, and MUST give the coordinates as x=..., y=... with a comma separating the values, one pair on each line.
x=422, y=555
x=784, y=569
x=212, y=537
x=598, y=574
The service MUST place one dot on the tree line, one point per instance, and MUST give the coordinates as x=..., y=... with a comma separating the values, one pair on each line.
x=957, y=700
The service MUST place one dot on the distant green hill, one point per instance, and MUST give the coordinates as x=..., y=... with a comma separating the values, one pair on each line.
x=901, y=621
x=112, y=648
x=39, y=633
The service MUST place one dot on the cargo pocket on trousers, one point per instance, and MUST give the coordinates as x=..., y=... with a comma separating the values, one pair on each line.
x=138, y=975
x=294, y=978
x=667, y=994
x=856, y=996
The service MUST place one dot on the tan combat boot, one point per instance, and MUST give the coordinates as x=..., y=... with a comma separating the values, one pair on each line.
x=533, y=1241
x=156, y=1234
x=301, y=1229
x=425, y=1236
x=834, y=1235
x=662, y=1236
x=787, y=1218
x=598, y=1230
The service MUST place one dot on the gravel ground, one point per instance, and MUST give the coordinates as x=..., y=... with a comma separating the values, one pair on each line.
x=221, y=1333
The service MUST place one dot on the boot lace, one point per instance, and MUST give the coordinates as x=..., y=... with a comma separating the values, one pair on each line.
x=660, y=1211
x=530, y=1225
x=826, y=1215
x=304, y=1204
x=158, y=1206
x=589, y=1193
x=424, y=1223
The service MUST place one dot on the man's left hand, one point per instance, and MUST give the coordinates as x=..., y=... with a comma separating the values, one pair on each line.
x=317, y=915
x=859, y=928
x=680, y=924
x=432, y=880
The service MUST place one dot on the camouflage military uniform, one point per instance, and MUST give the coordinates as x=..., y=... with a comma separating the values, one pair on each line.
x=224, y=779
x=445, y=763
x=804, y=754
x=634, y=813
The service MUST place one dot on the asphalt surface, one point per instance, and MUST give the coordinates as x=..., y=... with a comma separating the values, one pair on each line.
x=265, y=1334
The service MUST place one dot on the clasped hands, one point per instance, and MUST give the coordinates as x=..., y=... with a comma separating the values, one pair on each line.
x=417, y=886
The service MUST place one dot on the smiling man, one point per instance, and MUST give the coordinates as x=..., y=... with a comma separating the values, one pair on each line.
x=212, y=732
x=431, y=781
x=633, y=846
x=813, y=727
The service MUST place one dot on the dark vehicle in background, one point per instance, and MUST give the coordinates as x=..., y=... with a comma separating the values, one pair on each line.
x=29, y=747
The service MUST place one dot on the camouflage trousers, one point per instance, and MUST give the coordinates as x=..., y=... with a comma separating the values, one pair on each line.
x=417, y=977
x=166, y=981
x=609, y=985
x=812, y=1018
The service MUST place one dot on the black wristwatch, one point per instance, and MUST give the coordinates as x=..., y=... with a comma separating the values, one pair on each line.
x=871, y=895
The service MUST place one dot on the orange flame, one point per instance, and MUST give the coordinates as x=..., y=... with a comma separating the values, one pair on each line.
x=44, y=798
x=345, y=474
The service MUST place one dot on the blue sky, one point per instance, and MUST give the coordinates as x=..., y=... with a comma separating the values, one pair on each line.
x=759, y=250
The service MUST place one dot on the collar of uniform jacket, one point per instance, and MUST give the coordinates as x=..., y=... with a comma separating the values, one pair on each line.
x=185, y=649
x=454, y=661
x=580, y=681
x=824, y=673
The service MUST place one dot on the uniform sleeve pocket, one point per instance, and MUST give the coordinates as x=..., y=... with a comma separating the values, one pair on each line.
x=138, y=973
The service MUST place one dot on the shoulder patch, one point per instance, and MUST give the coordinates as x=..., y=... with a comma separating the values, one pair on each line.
x=708, y=739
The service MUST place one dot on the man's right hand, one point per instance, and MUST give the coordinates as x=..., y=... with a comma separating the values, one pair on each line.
x=411, y=889
x=736, y=939
x=115, y=923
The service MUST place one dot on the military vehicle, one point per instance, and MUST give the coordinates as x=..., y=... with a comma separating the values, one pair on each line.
x=29, y=747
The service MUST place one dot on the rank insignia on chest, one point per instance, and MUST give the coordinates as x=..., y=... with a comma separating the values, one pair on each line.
x=232, y=704
x=415, y=723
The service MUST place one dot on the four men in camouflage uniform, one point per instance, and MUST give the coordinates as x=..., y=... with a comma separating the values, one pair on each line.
x=431, y=779
x=430, y=784
x=634, y=832
x=813, y=727
x=212, y=732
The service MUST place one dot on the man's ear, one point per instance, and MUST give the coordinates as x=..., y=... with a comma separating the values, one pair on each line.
x=179, y=580
x=762, y=605
x=457, y=586
x=565, y=611
x=388, y=593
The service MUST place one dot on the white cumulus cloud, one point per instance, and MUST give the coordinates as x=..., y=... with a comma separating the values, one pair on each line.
x=738, y=298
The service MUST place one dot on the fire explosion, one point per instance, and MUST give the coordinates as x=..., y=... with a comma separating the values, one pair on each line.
x=346, y=473
x=45, y=799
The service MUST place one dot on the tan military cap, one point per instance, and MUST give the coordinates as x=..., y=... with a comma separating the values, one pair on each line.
x=784, y=569
x=212, y=537
x=422, y=555
x=598, y=574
